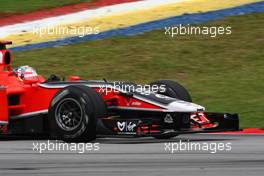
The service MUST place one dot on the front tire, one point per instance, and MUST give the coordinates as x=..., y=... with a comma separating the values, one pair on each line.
x=73, y=114
x=174, y=90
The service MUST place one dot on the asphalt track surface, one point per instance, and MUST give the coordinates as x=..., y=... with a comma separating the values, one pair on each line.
x=137, y=156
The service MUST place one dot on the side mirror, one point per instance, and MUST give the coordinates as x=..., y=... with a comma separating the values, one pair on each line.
x=74, y=78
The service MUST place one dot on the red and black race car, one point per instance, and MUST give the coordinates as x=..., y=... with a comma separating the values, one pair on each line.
x=77, y=111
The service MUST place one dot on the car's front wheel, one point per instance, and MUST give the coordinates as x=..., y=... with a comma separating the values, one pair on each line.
x=73, y=114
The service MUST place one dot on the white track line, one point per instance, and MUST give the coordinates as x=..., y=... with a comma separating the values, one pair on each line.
x=83, y=15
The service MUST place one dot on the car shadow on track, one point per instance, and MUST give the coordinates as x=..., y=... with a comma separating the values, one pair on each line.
x=21, y=138
x=147, y=140
x=129, y=140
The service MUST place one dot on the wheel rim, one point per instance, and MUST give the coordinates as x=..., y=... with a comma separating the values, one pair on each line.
x=69, y=114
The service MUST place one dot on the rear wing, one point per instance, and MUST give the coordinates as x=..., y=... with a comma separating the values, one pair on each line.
x=4, y=43
x=5, y=56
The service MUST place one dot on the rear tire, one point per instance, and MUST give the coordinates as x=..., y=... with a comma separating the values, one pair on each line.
x=73, y=114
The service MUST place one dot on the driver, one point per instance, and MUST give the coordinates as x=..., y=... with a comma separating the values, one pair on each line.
x=25, y=72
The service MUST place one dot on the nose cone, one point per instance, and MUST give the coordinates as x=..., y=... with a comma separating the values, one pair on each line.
x=183, y=106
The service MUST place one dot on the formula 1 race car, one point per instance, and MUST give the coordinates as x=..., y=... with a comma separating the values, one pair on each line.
x=77, y=111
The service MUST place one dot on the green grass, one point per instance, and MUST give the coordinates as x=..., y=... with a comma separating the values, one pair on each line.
x=23, y=6
x=223, y=74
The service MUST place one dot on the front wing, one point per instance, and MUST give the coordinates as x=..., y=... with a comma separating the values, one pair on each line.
x=173, y=125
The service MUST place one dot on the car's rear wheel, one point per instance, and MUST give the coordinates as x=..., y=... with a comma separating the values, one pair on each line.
x=73, y=114
x=175, y=90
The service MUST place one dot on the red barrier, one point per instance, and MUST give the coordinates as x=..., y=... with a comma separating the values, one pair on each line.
x=45, y=13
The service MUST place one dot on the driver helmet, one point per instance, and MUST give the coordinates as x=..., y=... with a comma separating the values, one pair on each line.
x=25, y=72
